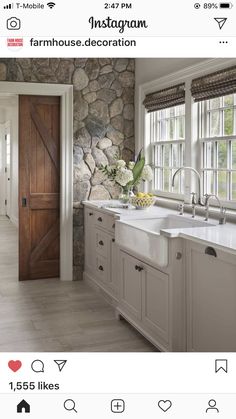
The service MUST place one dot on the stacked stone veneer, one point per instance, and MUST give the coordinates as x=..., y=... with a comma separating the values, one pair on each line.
x=103, y=121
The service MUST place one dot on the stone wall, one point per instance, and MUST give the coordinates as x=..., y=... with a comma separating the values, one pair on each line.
x=103, y=121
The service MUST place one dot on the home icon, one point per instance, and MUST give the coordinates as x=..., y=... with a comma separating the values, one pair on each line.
x=23, y=407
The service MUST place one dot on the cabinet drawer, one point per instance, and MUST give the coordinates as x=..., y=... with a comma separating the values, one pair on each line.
x=102, y=243
x=100, y=219
x=111, y=224
x=104, y=221
x=89, y=217
x=102, y=270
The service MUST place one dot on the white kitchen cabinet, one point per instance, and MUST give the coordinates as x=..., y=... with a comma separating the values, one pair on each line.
x=145, y=299
x=131, y=285
x=100, y=251
x=211, y=299
x=155, y=303
x=89, y=238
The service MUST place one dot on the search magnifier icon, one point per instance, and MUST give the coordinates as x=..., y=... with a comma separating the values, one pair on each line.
x=69, y=405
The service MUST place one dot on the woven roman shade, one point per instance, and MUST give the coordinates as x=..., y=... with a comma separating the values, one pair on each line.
x=213, y=85
x=165, y=98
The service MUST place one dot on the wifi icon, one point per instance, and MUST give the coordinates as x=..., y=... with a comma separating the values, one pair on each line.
x=51, y=4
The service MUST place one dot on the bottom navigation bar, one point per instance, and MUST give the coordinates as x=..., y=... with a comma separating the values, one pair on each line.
x=104, y=406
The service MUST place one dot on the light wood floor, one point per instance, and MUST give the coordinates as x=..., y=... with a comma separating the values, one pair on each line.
x=50, y=315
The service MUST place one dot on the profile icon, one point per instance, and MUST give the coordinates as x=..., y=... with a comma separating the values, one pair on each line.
x=212, y=407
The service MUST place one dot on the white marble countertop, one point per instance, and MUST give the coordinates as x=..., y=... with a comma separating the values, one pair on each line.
x=220, y=236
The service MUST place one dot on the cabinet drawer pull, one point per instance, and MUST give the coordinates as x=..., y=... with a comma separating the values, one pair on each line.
x=100, y=219
x=90, y=214
x=100, y=268
x=178, y=255
x=138, y=268
x=210, y=251
x=101, y=243
x=113, y=240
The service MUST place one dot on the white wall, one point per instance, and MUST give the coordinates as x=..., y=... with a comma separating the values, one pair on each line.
x=9, y=112
x=148, y=69
x=13, y=117
x=2, y=185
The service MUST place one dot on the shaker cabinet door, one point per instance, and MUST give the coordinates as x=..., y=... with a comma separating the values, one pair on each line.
x=130, y=285
x=155, y=303
x=211, y=299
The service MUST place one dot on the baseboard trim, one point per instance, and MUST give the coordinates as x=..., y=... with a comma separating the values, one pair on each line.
x=14, y=221
x=158, y=345
x=88, y=279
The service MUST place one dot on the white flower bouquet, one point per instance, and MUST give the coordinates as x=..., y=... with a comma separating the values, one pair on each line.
x=128, y=175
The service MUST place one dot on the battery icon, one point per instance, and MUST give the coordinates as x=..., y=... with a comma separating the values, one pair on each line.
x=226, y=5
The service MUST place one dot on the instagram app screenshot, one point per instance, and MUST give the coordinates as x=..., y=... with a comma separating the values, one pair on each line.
x=117, y=209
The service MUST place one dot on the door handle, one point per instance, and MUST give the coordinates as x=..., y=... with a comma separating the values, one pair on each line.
x=24, y=202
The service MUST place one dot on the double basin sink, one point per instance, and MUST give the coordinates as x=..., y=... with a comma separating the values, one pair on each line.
x=149, y=237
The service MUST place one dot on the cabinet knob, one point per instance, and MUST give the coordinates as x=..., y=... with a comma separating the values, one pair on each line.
x=178, y=255
x=100, y=268
x=138, y=268
x=101, y=243
x=90, y=213
x=113, y=240
x=100, y=219
x=113, y=225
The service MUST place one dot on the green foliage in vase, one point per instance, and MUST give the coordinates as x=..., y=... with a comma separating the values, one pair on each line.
x=128, y=174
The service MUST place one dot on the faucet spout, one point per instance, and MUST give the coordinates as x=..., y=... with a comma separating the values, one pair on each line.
x=222, y=219
x=198, y=177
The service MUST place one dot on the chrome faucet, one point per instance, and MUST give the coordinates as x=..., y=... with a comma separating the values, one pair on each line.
x=222, y=219
x=194, y=203
x=199, y=181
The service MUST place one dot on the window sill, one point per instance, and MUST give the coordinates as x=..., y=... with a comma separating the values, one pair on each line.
x=213, y=210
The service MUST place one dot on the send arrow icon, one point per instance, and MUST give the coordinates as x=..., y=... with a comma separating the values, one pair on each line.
x=60, y=363
x=221, y=21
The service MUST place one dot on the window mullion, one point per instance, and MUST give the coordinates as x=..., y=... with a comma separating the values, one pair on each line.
x=162, y=167
x=234, y=115
x=229, y=174
x=215, y=191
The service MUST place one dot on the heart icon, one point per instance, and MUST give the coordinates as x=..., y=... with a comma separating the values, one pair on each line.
x=14, y=365
x=164, y=405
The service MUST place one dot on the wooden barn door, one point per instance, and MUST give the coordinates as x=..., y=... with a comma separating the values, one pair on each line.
x=39, y=187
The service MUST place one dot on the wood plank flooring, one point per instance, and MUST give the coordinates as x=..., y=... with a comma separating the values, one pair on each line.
x=54, y=316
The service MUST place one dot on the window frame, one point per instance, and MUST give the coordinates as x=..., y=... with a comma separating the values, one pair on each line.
x=192, y=146
x=205, y=138
x=155, y=128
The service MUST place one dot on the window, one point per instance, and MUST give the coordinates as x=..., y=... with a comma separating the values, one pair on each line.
x=193, y=123
x=8, y=150
x=217, y=136
x=167, y=138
